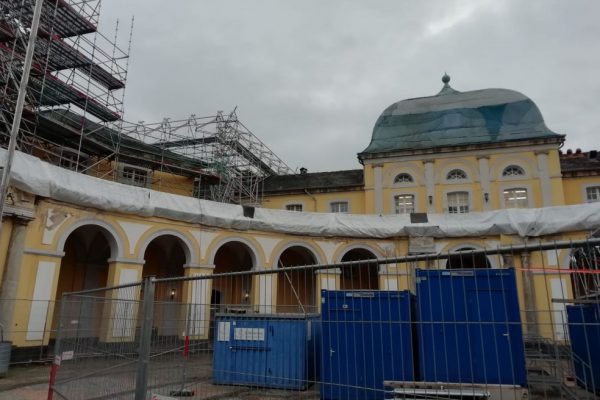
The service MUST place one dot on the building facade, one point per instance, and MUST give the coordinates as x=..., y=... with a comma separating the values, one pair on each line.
x=440, y=158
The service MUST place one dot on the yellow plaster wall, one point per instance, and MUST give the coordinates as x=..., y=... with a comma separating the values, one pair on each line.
x=318, y=202
x=327, y=249
x=171, y=183
x=575, y=188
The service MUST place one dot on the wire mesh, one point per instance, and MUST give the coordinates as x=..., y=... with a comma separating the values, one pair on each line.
x=445, y=326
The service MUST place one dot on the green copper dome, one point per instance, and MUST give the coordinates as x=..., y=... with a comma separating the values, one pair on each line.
x=453, y=118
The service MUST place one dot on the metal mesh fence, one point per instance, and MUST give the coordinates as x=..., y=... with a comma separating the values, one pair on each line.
x=514, y=323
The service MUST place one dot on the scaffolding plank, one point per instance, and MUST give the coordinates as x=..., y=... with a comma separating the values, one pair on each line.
x=58, y=17
x=51, y=91
x=103, y=77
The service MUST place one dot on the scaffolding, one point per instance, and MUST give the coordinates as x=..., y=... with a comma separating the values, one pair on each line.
x=73, y=114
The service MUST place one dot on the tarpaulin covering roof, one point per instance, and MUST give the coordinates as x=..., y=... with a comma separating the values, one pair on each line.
x=453, y=118
x=35, y=176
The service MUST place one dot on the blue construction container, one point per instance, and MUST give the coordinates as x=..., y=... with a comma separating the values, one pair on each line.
x=469, y=327
x=584, y=332
x=265, y=350
x=366, y=338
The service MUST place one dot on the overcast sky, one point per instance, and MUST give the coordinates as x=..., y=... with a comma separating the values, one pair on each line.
x=310, y=77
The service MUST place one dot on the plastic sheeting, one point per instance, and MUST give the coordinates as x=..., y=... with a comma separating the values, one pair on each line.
x=35, y=176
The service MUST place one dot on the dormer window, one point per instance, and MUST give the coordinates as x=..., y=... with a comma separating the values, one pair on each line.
x=403, y=178
x=456, y=175
x=134, y=176
x=72, y=159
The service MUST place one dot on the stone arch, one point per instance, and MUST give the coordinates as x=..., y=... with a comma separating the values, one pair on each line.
x=233, y=254
x=359, y=276
x=296, y=289
x=111, y=234
x=191, y=255
x=467, y=261
x=315, y=250
x=254, y=248
x=87, y=247
x=165, y=254
x=339, y=254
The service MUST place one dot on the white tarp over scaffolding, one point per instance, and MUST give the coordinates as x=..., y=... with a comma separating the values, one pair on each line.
x=35, y=176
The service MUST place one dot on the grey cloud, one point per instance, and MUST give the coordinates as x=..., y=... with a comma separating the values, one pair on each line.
x=311, y=77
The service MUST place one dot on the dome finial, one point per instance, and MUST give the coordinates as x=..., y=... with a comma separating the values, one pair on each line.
x=446, y=79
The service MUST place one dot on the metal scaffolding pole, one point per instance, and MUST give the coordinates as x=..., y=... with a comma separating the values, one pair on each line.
x=16, y=123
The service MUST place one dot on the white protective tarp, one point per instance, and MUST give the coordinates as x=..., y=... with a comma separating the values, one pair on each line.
x=32, y=175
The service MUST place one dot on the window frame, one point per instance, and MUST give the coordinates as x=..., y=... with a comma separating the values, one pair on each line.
x=505, y=201
x=448, y=178
x=504, y=174
x=586, y=191
x=293, y=206
x=127, y=180
x=396, y=206
x=410, y=181
x=338, y=203
x=459, y=211
x=70, y=155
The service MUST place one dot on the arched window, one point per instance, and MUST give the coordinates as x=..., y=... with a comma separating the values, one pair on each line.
x=456, y=174
x=403, y=178
x=513, y=170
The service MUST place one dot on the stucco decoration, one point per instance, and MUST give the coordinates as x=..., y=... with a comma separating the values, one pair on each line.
x=134, y=232
x=37, y=177
x=54, y=220
x=328, y=248
x=268, y=244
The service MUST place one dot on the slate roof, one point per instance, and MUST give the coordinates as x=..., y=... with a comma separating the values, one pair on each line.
x=580, y=162
x=314, y=181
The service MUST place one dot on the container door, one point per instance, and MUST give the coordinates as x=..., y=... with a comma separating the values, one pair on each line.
x=343, y=350
x=286, y=359
x=496, y=344
x=249, y=348
x=584, y=331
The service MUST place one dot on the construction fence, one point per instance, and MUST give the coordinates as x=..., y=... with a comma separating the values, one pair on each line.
x=502, y=324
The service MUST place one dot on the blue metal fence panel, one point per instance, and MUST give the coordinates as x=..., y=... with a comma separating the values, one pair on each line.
x=275, y=351
x=366, y=338
x=584, y=332
x=469, y=327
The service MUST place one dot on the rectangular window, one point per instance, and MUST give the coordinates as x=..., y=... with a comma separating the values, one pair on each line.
x=201, y=189
x=593, y=194
x=71, y=159
x=404, y=203
x=458, y=202
x=294, y=207
x=339, y=207
x=516, y=198
x=134, y=176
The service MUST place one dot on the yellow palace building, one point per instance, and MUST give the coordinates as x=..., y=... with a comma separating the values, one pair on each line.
x=452, y=171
